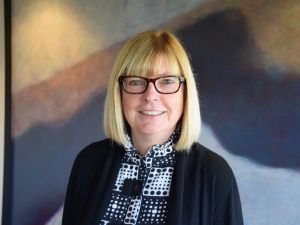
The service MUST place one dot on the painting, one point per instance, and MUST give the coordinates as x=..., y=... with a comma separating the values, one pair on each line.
x=245, y=56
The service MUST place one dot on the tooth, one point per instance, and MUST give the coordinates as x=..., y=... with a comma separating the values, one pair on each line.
x=154, y=113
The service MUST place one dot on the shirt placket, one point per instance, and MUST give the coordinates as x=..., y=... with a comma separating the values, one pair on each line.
x=136, y=201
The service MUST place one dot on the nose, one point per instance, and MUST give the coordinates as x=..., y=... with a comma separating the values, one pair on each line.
x=151, y=94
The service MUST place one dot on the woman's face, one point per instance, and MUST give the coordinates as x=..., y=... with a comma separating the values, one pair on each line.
x=152, y=113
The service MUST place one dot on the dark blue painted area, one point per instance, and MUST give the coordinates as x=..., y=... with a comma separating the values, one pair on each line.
x=254, y=113
x=43, y=158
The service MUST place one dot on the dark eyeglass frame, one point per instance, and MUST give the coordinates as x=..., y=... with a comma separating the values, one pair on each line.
x=152, y=80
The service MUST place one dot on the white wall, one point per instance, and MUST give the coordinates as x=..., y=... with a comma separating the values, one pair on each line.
x=2, y=89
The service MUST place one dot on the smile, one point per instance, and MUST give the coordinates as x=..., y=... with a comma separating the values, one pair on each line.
x=152, y=113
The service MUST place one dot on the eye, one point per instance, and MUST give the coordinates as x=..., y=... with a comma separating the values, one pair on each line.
x=134, y=81
x=168, y=80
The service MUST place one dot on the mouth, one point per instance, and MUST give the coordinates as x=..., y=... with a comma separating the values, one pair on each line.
x=152, y=113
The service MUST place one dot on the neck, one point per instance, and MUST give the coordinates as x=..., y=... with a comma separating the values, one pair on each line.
x=142, y=142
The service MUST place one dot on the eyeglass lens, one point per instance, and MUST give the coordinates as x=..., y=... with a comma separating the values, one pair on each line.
x=135, y=85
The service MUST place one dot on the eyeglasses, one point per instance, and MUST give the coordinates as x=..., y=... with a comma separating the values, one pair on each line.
x=138, y=85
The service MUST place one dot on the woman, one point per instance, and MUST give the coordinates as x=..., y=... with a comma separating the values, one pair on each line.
x=150, y=169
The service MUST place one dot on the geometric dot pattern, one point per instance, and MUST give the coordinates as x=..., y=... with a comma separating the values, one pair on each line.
x=133, y=210
x=153, y=211
x=127, y=171
x=117, y=207
x=104, y=222
x=158, y=182
x=154, y=172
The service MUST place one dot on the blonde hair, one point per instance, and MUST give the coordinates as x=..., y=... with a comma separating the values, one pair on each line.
x=138, y=56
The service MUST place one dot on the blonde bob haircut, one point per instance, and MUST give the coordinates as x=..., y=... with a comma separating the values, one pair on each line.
x=138, y=56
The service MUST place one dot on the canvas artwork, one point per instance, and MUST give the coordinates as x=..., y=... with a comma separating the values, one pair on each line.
x=245, y=56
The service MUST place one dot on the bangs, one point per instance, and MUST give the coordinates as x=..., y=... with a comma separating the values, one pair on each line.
x=146, y=63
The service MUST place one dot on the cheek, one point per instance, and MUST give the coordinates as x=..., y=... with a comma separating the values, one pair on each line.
x=176, y=105
x=125, y=106
x=128, y=106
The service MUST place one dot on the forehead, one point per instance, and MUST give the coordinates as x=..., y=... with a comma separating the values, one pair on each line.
x=155, y=65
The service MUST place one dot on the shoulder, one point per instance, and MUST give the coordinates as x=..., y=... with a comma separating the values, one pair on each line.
x=98, y=147
x=100, y=150
x=204, y=160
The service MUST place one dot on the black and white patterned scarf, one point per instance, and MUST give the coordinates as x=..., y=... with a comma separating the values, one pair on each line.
x=141, y=191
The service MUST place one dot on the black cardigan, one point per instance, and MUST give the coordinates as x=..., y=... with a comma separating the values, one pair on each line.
x=203, y=190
